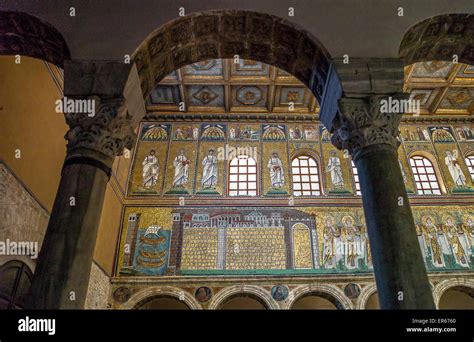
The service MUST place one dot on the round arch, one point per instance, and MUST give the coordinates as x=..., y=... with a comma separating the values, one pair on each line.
x=229, y=33
x=329, y=292
x=447, y=284
x=25, y=35
x=227, y=293
x=19, y=275
x=156, y=291
x=31, y=263
x=439, y=38
x=317, y=158
x=469, y=151
x=305, y=152
x=434, y=161
x=364, y=296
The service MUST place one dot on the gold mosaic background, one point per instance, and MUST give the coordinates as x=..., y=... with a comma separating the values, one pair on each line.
x=258, y=248
x=199, y=249
x=189, y=148
x=327, y=148
x=268, y=149
x=204, y=148
x=264, y=248
x=160, y=148
x=302, y=247
x=416, y=139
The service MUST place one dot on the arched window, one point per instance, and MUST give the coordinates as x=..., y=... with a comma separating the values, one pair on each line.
x=355, y=173
x=425, y=176
x=243, y=176
x=15, y=282
x=470, y=165
x=305, y=176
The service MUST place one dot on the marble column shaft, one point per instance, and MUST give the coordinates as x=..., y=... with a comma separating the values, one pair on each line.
x=94, y=140
x=370, y=135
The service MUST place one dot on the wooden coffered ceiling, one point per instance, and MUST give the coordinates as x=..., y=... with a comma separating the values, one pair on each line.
x=443, y=88
x=221, y=86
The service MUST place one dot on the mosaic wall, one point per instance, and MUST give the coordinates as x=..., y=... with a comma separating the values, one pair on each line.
x=281, y=240
x=187, y=159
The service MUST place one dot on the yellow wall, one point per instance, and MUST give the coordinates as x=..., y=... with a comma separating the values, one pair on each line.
x=121, y=168
x=29, y=123
x=108, y=234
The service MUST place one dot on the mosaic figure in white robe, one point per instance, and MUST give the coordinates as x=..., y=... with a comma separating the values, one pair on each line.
x=181, y=167
x=209, y=171
x=335, y=170
x=351, y=253
x=421, y=240
x=150, y=170
x=276, y=171
x=433, y=241
x=329, y=247
x=453, y=235
x=457, y=175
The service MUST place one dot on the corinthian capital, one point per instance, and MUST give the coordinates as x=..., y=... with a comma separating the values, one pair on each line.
x=108, y=130
x=103, y=104
x=363, y=122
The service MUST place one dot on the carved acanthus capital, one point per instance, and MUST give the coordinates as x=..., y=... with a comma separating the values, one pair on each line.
x=363, y=122
x=108, y=131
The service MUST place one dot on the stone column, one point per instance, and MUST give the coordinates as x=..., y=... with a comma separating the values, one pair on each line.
x=371, y=136
x=351, y=110
x=93, y=141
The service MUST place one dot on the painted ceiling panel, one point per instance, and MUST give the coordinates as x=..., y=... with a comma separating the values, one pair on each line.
x=432, y=69
x=236, y=86
x=205, y=95
x=228, y=85
x=249, y=95
x=443, y=88
x=212, y=67
x=250, y=68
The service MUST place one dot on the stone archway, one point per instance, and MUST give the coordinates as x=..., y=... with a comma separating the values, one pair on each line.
x=25, y=35
x=329, y=292
x=263, y=295
x=439, y=38
x=93, y=143
x=227, y=33
x=161, y=291
x=445, y=285
x=364, y=296
x=359, y=127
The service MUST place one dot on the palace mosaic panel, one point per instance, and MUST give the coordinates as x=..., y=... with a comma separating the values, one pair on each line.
x=280, y=240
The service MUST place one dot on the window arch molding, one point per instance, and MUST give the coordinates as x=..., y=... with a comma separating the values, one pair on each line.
x=434, y=162
x=469, y=160
x=305, y=152
x=17, y=277
x=355, y=179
